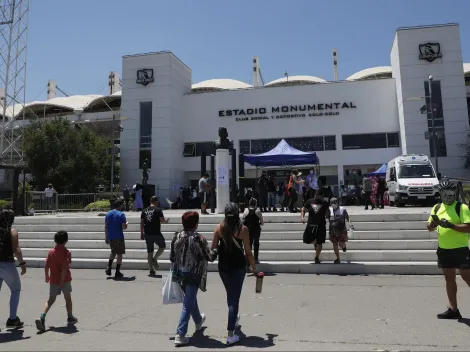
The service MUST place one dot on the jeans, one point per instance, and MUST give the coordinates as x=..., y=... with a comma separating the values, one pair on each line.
x=9, y=274
x=233, y=282
x=379, y=199
x=190, y=309
x=272, y=200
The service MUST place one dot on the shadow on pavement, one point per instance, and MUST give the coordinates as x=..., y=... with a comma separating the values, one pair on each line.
x=199, y=340
x=256, y=341
x=125, y=278
x=156, y=276
x=465, y=321
x=67, y=330
x=12, y=335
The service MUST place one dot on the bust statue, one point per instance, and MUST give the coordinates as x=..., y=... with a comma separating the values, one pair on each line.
x=223, y=142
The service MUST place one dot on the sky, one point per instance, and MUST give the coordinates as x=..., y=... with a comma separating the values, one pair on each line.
x=78, y=43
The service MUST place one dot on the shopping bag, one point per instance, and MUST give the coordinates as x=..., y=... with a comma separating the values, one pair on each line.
x=172, y=293
x=351, y=233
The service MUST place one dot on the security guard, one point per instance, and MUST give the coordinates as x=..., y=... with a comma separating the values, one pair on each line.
x=452, y=220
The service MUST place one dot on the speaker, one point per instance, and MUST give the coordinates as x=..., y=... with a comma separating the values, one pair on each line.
x=147, y=192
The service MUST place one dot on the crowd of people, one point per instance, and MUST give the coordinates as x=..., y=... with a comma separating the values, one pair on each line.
x=232, y=243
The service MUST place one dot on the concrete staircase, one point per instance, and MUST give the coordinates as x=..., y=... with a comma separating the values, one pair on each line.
x=391, y=241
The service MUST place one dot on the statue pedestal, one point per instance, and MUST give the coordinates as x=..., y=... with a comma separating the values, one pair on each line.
x=222, y=164
x=147, y=192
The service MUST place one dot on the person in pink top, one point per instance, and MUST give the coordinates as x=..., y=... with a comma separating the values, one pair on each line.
x=58, y=276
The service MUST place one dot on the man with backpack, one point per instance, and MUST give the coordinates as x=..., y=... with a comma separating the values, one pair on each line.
x=253, y=219
x=452, y=221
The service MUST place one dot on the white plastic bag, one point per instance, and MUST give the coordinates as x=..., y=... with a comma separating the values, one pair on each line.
x=172, y=293
x=351, y=233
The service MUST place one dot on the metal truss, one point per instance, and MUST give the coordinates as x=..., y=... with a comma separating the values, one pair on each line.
x=13, y=49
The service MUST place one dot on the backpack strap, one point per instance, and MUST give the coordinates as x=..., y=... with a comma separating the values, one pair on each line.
x=458, y=206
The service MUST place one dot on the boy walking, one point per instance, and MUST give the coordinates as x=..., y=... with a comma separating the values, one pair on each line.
x=57, y=270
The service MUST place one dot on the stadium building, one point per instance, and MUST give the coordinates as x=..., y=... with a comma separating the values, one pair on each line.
x=355, y=125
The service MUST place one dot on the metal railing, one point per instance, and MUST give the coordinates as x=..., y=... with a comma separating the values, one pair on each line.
x=38, y=202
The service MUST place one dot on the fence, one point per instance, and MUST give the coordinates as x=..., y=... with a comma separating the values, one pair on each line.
x=39, y=203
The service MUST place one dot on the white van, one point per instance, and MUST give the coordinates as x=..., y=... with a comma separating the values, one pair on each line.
x=411, y=179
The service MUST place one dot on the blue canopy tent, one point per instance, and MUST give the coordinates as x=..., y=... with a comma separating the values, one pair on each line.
x=282, y=155
x=381, y=171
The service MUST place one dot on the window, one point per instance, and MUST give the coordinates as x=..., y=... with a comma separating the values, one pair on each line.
x=438, y=118
x=189, y=149
x=204, y=147
x=196, y=149
x=330, y=142
x=307, y=144
x=146, y=124
x=245, y=147
x=415, y=171
x=393, y=140
x=364, y=141
x=259, y=146
x=145, y=143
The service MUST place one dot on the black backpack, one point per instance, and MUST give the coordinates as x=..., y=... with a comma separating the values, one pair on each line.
x=458, y=205
x=252, y=220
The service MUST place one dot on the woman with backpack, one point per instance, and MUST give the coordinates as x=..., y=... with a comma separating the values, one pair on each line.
x=338, y=231
x=232, y=241
x=253, y=220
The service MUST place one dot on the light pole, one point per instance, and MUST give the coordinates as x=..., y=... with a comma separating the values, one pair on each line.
x=433, y=127
x=113, y=138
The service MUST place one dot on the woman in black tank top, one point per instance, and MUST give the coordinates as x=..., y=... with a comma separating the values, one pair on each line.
x=232, y=241
x=9, y=249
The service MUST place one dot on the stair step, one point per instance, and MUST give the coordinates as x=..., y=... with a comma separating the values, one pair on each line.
x=266, y=244
x=301, y=267
x=268, y=255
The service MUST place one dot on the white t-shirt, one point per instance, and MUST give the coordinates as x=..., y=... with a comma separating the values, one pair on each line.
x=49, y=192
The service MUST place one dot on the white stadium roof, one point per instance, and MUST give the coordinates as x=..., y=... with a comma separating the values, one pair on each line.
x=371, y=73
x=295, y=79
x=89, y=103
x=222, y=84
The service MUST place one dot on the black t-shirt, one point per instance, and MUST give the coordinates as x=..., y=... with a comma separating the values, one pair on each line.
x=381, y=184
x=318, y=211
x=271, y=185
x=151, y=217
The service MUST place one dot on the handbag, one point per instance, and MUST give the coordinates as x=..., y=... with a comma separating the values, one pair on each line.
x=172, y=293
x=350, y=233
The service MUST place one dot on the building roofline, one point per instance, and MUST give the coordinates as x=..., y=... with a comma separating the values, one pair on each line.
x=427, y=26
x=157, y=53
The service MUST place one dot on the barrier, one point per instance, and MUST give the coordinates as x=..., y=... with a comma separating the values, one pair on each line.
x=74, y=202
x=37, y=202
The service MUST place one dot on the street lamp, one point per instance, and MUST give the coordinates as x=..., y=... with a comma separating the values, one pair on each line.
x=113, y=151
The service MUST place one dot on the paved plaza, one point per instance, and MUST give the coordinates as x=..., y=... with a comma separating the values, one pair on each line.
x=294, y=312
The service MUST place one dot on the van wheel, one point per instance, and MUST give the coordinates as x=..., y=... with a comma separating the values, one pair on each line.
x=400, y=205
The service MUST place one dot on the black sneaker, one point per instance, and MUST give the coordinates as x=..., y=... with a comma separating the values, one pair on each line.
x=450, y=314
x=317, y=260
x=345, y=249
x=41, y=324
x=152, y=273
x=118, y=275
x=14, y=323
x=108, y=271
x=337, y=261
x=72, y=320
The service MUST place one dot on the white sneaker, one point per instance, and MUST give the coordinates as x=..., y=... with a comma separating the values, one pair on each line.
x=181, y=340
x=232, y=339
x=199, y=326
x=237, y=323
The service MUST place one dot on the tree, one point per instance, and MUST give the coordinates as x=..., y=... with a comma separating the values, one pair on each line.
x=72, y=159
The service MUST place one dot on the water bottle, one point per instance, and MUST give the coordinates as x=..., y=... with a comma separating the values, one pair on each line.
x=259, y=282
